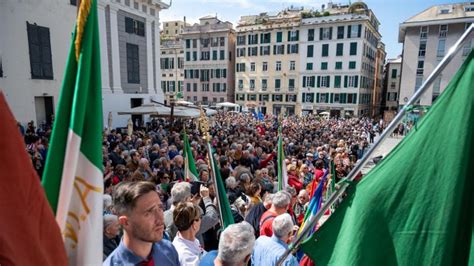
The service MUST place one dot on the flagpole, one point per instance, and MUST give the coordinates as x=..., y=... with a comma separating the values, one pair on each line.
x=355, y=171
x=204, y=127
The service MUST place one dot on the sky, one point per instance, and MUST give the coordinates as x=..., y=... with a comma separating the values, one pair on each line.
x=390, y=13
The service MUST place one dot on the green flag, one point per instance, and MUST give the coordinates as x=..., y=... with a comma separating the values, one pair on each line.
x=189, y=164
x=224, y=206
x=416, y=206
x=282, y=172
x=73, y=179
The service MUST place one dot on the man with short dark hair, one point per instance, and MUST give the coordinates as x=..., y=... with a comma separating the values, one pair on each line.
x=140, y=213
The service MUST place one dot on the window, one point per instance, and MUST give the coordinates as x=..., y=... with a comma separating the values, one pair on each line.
x=308, y=81
x=292, y=49
x=310, y=35
x=188, y=87
x=309, y=66
x=325, y=50
x=253, y=39
x=444, y=11
x=241, y=84
x=240, y=52
x=423, y=32
x=325, y=33
x=292, y=65
x=241, y=40
x=469, y=8
x=279, y=36
x=418, y=81
x=214, y=55
x=291, y=84
x=441, y=47
x=437, y=86
x=325, y=80
x=467, y=48
x=293, y=35
x=134, y=26
x=264, y=66
x=340, y=32
x=195, y=56
x=278, y=49
x=290, y=98
x=252, y=67
x=354, y=31
x=324, y=65
x=309, y=51
x=253, y=51
x=422, y=49
x=188, y=56
x=265, y=37
x=337, y=81
x=394, y=73
x=240, y=67
x=420, y=66
x=188, y=43
x=133, y=64
x=338, y=65
x=277, y=97
x=352, y=64
x=353, y=50
x=336, y=97
x=222, y=41
x=278, y=66
x=41, y=64
x=206, y=55
x=194, y=43
x=252, y=84
x=277, y=84
x=443, y=31
x=353, y=81
x=73, y=2
x=221, y=55
x=264, y=84
x=339, y=49
x=323, y=97
x=265, y=50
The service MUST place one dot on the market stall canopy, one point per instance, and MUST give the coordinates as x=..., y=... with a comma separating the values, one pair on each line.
x=154, y=109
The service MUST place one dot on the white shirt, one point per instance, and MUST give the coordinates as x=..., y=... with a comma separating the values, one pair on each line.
x=189, y=252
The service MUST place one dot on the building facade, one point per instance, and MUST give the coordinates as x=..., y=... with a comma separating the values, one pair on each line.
x=426, y=38
x=391, y=85
x=267, y=57
x=340, y=60
x=33, y=56
x=130, y=52
x=173, y=29
x=209, y=61
x=172, y=67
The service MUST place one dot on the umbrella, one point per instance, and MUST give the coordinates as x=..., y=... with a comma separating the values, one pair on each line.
x=227, y=104
x=183, y=102
x=324, y=113
x=148, y=109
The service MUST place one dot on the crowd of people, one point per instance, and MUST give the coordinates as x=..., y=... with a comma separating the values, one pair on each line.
x=153, y=212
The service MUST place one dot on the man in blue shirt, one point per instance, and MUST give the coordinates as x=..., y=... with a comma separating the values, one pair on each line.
x=268, y=250
x=140, y=213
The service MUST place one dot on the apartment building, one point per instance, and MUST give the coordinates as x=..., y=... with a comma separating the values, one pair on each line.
x=209, y=60
x=173, y=29
x=172, y=67
x=267, y=62
x=426, y=38
x=341, y=60
x=391, y=89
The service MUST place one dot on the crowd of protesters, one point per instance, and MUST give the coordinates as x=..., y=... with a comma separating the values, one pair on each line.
x=246, y=151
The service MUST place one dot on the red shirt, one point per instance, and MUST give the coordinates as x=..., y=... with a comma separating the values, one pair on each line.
x=294, y=181
x=266, y=223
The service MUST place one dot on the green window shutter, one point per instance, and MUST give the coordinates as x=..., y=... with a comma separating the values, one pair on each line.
x=279, y=36
x=356, y=82
x=320, y=34
x=337, y=81
x=353, y=48
x=289, y=35
x=329, y=81
x=349, y=31
x=297, y=35
x=317, y=97
x=331, y=98
x=354, y=99
x=340, y=49
x=345, y=81
x=330, y=33
x=359, y=31
x=327, y=97
x=304, y=81
x=318, y=84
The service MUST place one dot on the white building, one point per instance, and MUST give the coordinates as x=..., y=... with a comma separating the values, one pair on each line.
x=426, y=37
x=34, y=45
x=339, y=60
x=392, y=84
x=172, y=66
x=33, y=57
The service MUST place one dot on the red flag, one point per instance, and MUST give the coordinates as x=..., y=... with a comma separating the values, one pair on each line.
x=29, y=233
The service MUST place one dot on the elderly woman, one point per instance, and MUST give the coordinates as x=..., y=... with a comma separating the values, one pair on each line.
x=187, y=218
x=111, y=238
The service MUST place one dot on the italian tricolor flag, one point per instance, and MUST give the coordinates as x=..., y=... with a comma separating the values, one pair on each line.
x=73, y=178
x=191, y=173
